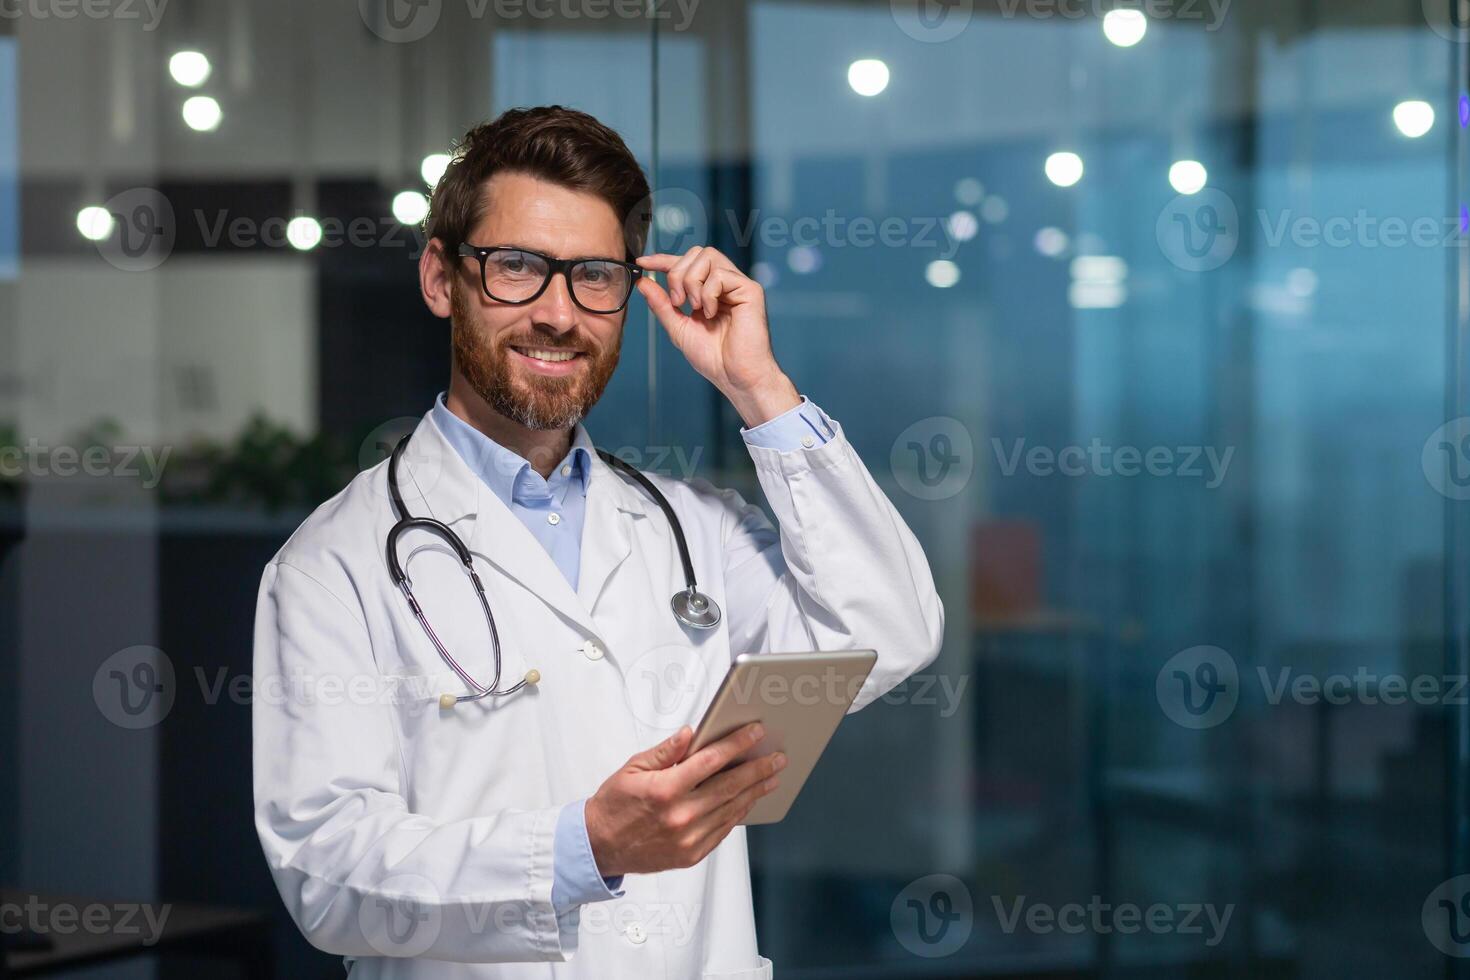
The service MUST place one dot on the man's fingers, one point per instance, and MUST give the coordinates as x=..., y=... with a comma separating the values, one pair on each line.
x=677, y=274
x=712, y=758
x=689, y=273
x=664, y=261
x=665, y=754
x=659, y=301
x=696, y=279
x=724, y=786
x=658, y=261
x=710, y=829
x=710, y=294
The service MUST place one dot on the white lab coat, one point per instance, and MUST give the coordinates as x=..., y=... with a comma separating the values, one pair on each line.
x=418, y=841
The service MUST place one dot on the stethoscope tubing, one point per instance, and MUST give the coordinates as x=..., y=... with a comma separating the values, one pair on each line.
x=691, y=607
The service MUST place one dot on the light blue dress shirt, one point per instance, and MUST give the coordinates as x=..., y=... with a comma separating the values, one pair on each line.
x=553, y=511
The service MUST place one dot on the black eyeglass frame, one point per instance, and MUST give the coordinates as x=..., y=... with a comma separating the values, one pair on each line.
x=553, y=266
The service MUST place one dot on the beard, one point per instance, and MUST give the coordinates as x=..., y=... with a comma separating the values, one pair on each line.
x=536, y=402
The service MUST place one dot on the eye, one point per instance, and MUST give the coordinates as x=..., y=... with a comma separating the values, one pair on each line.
x=516, y=264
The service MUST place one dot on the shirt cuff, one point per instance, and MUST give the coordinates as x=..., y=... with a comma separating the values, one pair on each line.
x=575, y=879
x=801, y=427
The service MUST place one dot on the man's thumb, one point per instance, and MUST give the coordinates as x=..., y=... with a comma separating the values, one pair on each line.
x=665, y=753
x=658, y=300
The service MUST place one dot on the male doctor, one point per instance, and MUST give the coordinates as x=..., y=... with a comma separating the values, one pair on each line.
x=498, y=837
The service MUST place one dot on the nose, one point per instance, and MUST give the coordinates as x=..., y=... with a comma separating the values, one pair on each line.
x=554, y=309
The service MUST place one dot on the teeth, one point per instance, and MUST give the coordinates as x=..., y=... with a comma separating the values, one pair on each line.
x=547, y=355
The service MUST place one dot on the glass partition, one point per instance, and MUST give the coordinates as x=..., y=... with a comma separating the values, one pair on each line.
x=1149, y=318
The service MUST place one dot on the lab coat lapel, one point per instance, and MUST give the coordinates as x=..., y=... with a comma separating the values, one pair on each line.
x=607, y=536
x=454, y=494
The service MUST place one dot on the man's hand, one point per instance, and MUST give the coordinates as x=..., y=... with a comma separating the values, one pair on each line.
x=663, y=811
x=725, y=336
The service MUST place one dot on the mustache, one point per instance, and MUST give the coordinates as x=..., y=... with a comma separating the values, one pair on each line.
x=546, y=343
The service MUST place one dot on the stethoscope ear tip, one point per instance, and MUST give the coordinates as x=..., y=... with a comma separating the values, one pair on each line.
x=533, y=676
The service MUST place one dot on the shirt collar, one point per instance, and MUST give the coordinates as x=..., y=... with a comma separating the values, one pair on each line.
x=508, y=475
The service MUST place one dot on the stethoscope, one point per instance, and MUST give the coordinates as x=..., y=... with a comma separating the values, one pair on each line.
x=691, y=607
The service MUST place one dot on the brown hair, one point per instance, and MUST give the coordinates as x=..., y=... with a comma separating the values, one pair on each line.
x=554, y=143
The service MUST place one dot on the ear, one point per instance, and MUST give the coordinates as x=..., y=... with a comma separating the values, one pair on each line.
x=435, y=272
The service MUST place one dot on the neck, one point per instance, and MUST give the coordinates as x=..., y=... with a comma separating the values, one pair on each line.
x=542, y=448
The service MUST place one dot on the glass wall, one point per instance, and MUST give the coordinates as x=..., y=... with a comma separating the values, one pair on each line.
x=1148, y=318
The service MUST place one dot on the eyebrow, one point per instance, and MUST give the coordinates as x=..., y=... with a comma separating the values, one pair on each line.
x=572, y=258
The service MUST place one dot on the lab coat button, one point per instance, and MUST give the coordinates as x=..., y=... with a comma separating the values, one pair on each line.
x=592, y=650
x=635, y=934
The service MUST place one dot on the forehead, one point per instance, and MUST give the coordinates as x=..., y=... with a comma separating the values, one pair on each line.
x=519, y=209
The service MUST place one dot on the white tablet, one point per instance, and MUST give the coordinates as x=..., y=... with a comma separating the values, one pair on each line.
x=800, y=698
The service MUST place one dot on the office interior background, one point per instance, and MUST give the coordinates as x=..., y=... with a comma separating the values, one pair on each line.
x=1151, y=318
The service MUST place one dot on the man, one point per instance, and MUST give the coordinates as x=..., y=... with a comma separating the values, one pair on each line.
x=419, y=834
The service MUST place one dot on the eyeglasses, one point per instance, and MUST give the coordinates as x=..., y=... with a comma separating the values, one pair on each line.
x=518, y=276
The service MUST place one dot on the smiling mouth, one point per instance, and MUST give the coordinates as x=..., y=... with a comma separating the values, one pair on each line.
x=548, y=355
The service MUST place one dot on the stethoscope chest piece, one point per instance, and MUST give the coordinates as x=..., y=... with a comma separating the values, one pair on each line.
x=694, y=608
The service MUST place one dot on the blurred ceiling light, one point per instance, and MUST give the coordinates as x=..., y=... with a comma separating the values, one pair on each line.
x=1125, y=28
x=1413, y=118
x=671, y=218
x=1188, y=176
x=410, y=207
x=941, y=273
x=969, y=191
x=1099, y=269
x=962, y=226
x=804, y=260
x=867, y=76
x=189, y=68
x=95, y=223
x=1064, y=169
x=1052, y=242
x=202, y=113
x=995, y=209
x=1099, y=282
x=1097, y=295
x=304, y=233
x=1301, y=282
x=433, y=168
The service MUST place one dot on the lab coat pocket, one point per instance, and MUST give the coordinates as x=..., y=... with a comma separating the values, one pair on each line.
x=438, y=744
x=411, y=689
x=761, y=972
